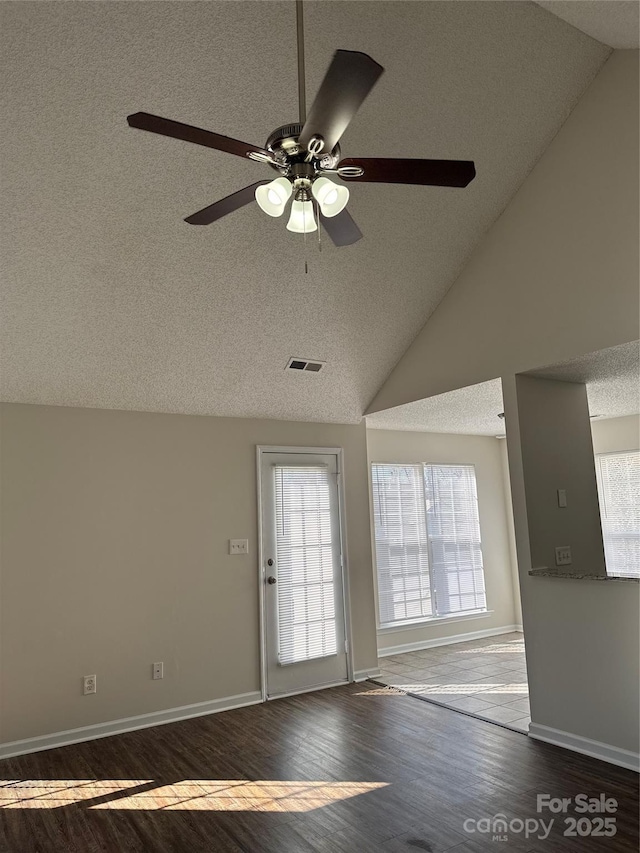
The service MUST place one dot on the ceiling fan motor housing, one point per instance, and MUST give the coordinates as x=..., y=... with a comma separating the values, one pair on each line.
x=283, y=144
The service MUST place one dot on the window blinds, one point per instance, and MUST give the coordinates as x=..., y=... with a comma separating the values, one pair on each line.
x=427, y=537
x=619, y=491
x=305, y=560
x=404, y=590
x=454, y=538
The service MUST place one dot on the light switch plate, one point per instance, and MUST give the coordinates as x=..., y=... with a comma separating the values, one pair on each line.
x=562, y=498
x=238, y=546
x=563, y=555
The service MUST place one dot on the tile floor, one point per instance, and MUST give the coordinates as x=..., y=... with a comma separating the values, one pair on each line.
x=486, y=678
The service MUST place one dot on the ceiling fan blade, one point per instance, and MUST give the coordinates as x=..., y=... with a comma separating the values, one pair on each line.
x=178, y=130
x=226, y=205
x=341, y=228
x=348, y=81
x=434, y=173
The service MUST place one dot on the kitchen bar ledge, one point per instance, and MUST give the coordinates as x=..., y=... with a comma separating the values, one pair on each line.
x=545, y=572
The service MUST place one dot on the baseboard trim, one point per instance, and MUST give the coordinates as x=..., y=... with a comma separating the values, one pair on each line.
x=127, y=724
x=446, y=641
x=313, y=689
x=365, y=674
x=586, y=746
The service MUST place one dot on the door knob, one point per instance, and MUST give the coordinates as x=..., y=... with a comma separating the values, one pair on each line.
x=271, y=579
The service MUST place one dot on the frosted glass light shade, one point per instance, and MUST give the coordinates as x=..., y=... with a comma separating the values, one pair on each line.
x=273, y=197
x=331, y=197
x=301, y=220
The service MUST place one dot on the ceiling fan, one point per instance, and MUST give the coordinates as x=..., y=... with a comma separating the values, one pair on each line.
x=304, y=154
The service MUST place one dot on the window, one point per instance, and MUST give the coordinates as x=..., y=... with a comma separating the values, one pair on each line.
x=304, y=543
x=619, y=492
x=427, y=538
x=404, y=585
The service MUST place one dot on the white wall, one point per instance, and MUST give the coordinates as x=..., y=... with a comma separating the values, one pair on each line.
x=557, y=275
x=616, y=434
x=486, y=455
x=115, y=554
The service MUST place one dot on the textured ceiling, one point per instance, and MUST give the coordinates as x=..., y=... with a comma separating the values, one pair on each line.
x=110, y=300
x=612, y=377
x=471, y=411
x=612, y=22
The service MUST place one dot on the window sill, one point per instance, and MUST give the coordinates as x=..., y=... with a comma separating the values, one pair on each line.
x=435, y=620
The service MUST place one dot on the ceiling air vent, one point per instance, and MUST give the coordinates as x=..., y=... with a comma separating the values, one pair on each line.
x=305, y=364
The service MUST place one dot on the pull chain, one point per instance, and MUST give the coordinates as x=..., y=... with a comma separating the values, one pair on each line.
x=318, y=221
x=304, y=238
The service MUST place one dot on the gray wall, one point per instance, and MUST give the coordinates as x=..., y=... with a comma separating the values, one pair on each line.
x=557, y=453
x=115, y=554
x=513, y=551
x=582, y=637
x=582, y=640
x=557, y=275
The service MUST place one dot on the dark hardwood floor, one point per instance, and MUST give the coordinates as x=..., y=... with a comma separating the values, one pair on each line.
x=354, y=769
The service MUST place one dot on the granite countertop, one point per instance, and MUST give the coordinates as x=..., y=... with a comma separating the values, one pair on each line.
x=545, y=572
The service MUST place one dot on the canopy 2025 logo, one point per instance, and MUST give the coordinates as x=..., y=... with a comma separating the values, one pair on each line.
x=591, y=816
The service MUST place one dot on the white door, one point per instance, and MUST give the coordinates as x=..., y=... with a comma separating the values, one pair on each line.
x=304, y=641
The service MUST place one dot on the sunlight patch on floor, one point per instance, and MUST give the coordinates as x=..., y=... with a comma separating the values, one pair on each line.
x=201, y=794
x=507, y=648
x=382, y=691
x=517, y=689
x=482, y=678
x=53, y=793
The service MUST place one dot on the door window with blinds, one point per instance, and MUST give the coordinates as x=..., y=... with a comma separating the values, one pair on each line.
x=619, y=493
x=306, y=567
x=427, y=539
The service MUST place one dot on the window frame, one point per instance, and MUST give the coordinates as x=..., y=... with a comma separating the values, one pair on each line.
x=409, y=624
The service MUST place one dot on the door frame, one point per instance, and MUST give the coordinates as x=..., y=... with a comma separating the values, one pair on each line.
x=261, y=450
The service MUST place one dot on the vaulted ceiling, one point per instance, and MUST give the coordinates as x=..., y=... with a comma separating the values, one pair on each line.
x=613, y=22
x=110, y=300
x=610, y=375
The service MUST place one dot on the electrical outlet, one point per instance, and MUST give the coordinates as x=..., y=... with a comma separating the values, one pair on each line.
x=90, y=684
x=158, y=670
x=563, y=555
x=238, y=546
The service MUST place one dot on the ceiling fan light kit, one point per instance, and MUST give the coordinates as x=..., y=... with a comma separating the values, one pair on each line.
x=273, y=197
x=332, y=198
x=301, y=220
x=305, y=153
